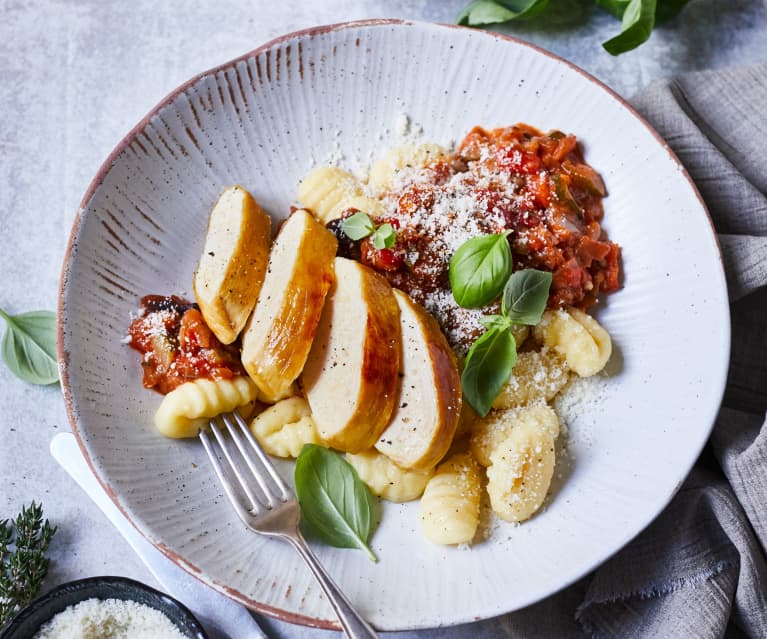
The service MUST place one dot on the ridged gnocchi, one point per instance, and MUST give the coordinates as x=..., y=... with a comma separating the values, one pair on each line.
x=386, y=479
x=385, y=169
x=520, y=472
x=283, y=429
x=187, y=409
x=537, y=377
x=328, y=191
x=490, y=431
x=578, y=337
x=449, y=509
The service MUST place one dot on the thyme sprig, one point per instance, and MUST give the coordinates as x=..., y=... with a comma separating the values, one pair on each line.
x=23, y=563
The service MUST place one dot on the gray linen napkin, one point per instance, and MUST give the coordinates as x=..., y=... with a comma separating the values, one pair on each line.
x=700, y=569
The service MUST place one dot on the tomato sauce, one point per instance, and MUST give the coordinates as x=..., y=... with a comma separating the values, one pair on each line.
x=178, y=346
x=514, y=178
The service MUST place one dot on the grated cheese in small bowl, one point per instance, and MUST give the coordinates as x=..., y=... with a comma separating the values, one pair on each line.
x=109, y=619
x=104, y=608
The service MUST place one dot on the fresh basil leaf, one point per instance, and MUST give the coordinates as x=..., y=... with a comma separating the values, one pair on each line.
x=482, y=12
x=666, y=10
x=616, y=7
x=636, y=26
x=525, y=296
x=357, y=226
x=336, y=505
x=479, y=269
x=29, y=346
x=488, y=367
x=384, y=237
x=491, y=321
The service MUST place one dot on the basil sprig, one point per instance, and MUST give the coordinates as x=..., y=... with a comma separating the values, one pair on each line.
x=479, y=269
x=525, y=296
x=481, y=12
x=29, y=346
x=336, y=506
x=383, y=236
x=637, y=23
x=638, y=17
x=488, y=367
x=359, y=226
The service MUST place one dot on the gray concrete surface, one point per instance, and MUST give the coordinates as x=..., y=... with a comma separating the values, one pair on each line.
x=76, y=75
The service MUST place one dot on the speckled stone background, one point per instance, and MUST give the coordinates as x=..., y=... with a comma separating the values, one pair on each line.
x=76, y=75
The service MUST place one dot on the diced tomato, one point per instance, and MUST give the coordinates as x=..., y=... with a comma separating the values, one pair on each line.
x=569, y=284
x=515, y=160
x=539, y=186
x=415, y=198
x=564, y=147
x=380, y=259
x=471, y=146
x=589, y=251
x=612, y=269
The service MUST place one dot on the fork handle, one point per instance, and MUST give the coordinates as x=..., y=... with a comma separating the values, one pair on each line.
x=354, y=626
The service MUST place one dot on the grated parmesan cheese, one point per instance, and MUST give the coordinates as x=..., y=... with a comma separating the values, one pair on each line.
x=109, y=619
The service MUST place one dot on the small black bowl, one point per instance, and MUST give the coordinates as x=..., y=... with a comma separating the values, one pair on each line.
x=29, y=620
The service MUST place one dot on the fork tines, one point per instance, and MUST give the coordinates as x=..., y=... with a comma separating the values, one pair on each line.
x=246, y=461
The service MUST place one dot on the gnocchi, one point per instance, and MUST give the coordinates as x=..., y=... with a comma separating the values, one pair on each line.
x=490, y=431
x=537, y=377
x=283, y=429
x=329, y=191
x=449, y=509
x=187, y=409
x=386, y=479
x=385, y=169
x=520, y=472
x=578, y=337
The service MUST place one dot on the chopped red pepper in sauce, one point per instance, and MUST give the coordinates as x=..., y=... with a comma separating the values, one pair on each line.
x=178, y=346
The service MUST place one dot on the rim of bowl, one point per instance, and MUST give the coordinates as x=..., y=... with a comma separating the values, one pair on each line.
x=106, y=166
x=87, y=584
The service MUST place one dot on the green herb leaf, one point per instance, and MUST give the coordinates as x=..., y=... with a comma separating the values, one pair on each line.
x=666, y=10
x=479, y=269
x=492, y=321
x=29, y=346
x=335, y=504
x=638, y=16
x=357, y=226
x=384, y=237
x=482, y=12
x=488, y=367
x=23, y=564
x=616, y=7
x=525, y=296
x=636, y=26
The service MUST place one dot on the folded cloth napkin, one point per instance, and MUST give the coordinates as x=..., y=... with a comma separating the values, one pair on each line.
x=700, y=570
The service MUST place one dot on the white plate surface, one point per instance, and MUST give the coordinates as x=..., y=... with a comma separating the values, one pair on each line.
x=264, y=120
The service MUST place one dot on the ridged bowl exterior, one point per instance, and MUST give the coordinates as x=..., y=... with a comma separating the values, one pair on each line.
x=335, y=93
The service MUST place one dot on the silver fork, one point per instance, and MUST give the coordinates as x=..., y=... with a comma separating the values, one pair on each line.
x=270, y=508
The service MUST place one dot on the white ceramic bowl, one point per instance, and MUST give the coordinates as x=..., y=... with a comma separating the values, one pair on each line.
x=335, y=92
